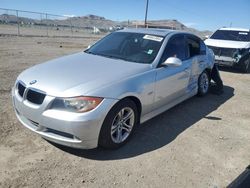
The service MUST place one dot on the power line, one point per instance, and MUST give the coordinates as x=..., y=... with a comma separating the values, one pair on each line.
x=31, y=12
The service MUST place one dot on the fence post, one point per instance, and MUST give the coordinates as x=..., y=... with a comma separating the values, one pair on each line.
x=71, y=26
x=47, y=27
x=18, y=26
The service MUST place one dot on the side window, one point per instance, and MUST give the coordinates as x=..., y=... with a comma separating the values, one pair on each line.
x=203, y=48
x=175, y=48
x=193, y=46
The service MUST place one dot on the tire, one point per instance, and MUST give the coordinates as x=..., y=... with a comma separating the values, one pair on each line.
x=118, y=125
x=203, y=84
x=246, y=66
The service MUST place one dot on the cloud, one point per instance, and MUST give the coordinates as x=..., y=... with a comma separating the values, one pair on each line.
x=190, y=24
x=66, y=16
x=71, y=15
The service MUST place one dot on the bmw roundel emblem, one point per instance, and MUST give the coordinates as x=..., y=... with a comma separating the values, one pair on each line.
x=33, y=82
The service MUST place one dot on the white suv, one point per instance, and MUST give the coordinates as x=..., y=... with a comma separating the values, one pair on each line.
x=231, y=47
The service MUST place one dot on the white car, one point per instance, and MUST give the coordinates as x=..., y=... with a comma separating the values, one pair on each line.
x=231, y=47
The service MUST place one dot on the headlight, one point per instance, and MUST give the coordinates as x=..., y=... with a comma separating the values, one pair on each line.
x=76, y=104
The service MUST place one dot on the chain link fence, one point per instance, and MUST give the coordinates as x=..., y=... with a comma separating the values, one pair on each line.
x=26, y=23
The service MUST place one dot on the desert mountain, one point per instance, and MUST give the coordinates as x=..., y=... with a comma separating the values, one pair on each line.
x=90, y=21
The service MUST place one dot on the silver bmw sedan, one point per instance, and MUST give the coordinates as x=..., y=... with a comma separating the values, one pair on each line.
x=97, y=97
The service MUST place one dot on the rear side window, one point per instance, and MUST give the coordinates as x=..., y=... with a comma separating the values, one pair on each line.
x=194, y=46
x=175, y=48
x=203, y=48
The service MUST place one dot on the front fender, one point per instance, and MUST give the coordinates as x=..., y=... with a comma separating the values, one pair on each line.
x=140, y=86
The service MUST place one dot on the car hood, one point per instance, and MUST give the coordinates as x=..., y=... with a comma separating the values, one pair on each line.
x=227, y=43
x=77, y=74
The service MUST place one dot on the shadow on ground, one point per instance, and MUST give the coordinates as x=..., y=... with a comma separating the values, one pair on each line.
x=162, y=129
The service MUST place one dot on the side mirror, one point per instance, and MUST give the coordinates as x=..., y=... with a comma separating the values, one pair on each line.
x=172, y=61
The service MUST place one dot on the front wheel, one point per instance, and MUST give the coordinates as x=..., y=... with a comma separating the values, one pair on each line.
x=203, y=84
x=118, y=124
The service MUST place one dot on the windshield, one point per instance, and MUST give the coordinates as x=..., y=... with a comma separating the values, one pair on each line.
x=231, y=35
x=135, y=47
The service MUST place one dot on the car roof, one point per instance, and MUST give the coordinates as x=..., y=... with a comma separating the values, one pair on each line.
x=234, y=29
x=151, y=31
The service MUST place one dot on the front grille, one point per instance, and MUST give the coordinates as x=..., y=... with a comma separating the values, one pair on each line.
x=30, y=94
x=21, y=89
x=35, y=97
x=227, y=52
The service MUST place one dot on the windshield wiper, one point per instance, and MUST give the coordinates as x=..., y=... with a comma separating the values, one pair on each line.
x=133, y=60
x=108, y=56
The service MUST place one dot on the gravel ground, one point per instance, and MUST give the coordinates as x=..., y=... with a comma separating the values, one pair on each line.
x=202, y=142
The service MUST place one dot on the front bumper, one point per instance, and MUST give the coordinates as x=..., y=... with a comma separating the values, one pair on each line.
x=78, y=130
x=225, y=61
x=232, y=62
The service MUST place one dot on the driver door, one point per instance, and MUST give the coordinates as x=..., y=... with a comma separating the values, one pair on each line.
x=172, y=81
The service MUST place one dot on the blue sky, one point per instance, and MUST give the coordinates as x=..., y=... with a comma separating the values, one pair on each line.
x=200, y=14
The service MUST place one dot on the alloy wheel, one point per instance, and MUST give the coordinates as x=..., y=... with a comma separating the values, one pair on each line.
x=122, y=125
x=204, y=83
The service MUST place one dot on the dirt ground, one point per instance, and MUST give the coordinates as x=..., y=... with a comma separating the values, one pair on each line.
x=44, y=31
x=202, y=142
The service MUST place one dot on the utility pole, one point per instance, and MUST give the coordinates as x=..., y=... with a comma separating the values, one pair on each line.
x=146, y=14
x=18, y=23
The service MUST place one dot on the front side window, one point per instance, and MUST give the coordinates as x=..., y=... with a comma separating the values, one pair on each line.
x=133, y=47
x=175, y=48
x=243, y=36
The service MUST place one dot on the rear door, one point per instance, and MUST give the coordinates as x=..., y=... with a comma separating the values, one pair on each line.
x=197, y=58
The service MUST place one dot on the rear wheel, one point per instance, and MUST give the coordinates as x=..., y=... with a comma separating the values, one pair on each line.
x=118, y=124
x=203, y=84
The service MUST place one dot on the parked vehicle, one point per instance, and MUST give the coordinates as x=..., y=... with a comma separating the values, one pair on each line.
x=97, y=97
x=231, y=47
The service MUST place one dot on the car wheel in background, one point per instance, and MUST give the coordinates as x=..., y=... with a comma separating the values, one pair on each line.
x=203, y=84
x=246, y=66
x=118, y=124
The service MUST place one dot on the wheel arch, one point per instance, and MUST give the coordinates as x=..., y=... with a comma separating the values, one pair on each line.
x=137, y=102
x=208, y=70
